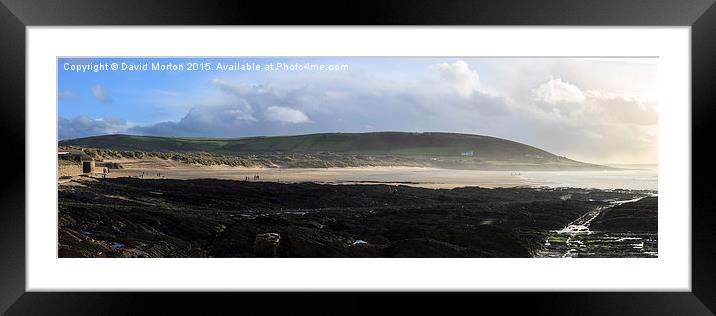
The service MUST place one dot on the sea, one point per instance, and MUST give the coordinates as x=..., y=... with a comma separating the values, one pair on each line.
x=630, y=177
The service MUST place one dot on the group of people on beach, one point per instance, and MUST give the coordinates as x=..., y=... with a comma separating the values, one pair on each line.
x=255, y=178
x=159, y=175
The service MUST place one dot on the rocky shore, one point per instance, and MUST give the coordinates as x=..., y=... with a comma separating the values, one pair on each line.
x=130, y=217
x=639, y=216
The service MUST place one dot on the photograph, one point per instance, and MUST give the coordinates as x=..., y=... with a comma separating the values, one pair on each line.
x=357, y=157
x=361, y=165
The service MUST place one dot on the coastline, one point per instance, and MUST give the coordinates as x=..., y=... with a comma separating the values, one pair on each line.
x=428, y=177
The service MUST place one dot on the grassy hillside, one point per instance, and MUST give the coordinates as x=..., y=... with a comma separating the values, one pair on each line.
x=426, y=145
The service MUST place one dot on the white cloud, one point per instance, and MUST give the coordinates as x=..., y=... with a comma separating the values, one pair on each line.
x=168, y=93
x=556, y=91
x=237, y=89
x=101, y=94
x=593, y=107
x=67, y=95
x=284, y=114
x=592, y=125
x=622, y=108
x=458, y=76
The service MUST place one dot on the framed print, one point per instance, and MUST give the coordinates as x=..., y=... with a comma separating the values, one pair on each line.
x=550, y=154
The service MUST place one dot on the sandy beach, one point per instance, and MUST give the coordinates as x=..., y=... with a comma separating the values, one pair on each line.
x=413, y=176
x=632, y=179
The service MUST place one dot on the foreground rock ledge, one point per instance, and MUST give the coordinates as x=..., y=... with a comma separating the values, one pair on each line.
x=129, y=217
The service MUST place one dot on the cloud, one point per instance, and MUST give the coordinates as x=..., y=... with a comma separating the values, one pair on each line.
x=211, y=121
x=83, y=126
x=67, y=95
x=284, y=114
x=592, y=125
x=556, y=92
x=237, y=89
x=592, y=107
x=168, y=93
x=311, y=103
x=622, y=108
x=101, y=94
x=458, y=76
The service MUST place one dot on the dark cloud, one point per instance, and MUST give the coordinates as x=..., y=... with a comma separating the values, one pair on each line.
x=350, y=102
x=210, y=121
x=83, y=126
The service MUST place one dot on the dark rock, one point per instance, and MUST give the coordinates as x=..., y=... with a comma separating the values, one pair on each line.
x=266, y=244
x=639, y=216
x=223, y=218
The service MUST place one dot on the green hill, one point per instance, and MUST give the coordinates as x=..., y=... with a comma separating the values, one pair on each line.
x=425, y=145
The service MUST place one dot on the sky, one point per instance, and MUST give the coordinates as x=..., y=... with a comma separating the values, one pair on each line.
x=592, y=110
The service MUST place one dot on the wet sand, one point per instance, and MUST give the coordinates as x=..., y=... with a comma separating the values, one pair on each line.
x=631, y=179
x=412, y=176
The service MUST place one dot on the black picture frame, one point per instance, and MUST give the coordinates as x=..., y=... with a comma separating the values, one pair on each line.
x=16, y=15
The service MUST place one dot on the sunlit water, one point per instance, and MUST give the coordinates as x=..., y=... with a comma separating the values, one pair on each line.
x=631, y=179
x=644, y=178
